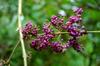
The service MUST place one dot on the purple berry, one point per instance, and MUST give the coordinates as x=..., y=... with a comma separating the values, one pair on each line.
x=77, y=47
x=57, y=47
x=41, y=42
x=34, y=31
x=55, y=21
x=74, y=19
x=29, y=25
x=70, y=42
x=46, y=29
x=78, y=10
x=48, y=32
x=34, y=43
x=73, y=43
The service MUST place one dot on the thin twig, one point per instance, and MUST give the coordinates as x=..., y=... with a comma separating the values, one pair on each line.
x=87, y=32
x=12, y=53
x=93, y=31
x=20, y=32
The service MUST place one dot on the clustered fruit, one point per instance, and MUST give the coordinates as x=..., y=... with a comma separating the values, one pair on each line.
x=73, y=26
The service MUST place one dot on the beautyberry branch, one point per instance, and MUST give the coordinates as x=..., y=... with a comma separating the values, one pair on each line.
x=73, y=27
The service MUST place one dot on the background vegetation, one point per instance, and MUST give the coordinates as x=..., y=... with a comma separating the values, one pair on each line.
x=39, y=12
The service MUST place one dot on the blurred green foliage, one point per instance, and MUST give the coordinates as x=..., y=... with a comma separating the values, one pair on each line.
x=39, y=12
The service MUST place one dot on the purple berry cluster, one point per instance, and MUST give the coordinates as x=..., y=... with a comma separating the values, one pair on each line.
x=75, y=29
x=29, y=30
x=47, y=31
x=73, y=43
x=57, y=22
x=57, y=47
x=41, y=41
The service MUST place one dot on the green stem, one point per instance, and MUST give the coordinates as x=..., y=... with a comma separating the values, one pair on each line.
x=20, y=32
x=12, y=53
x=93, y=31
x=87, y=32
